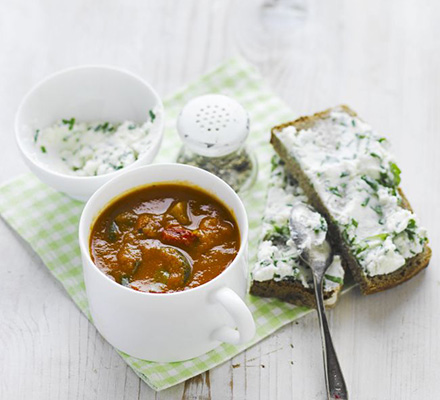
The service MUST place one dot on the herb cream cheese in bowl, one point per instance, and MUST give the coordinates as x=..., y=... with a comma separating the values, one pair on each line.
x=80, y=127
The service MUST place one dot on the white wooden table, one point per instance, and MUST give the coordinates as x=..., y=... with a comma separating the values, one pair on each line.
x=380, y=57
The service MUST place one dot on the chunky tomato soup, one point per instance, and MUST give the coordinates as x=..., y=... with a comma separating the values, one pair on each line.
x=164, y=238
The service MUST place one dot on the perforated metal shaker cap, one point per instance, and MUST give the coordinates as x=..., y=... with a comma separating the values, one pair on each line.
x=213, y=125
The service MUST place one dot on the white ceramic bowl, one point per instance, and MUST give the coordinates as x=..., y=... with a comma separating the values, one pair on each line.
x=87, y=93
x=168, y=326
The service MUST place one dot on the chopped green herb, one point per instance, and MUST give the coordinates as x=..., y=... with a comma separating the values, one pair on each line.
x=365, y=202
x=378, y=210
x=98, y=127
x=275, y=162
x=37, y=132
x=353, y=122
x=362, y=247
x=152, y=115
x=380, y=236
x=354, y=223
x=70, y=122
x=371, y=182
x=411, y=224
x=375, y=155
x=360, y=136
x=104, y=126
x=322, y=226
x=335, y=191
x=346, y=237
x=382, y=139
x=282, y=230
x=131, y=127
x=344, y=174
x=335, y=279
x=395, y=170
x=43, y=149
x=411, y=229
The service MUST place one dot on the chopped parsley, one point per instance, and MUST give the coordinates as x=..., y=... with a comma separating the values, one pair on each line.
x=322, y=226
x=70, y=122
x=282, y=230
x=335, y=191
x=378, y=210
x=370, y=182
x=43, y=149
x=335, y=279
x=37, y=132
x=152, y=115
x=365, y=202
x=362, y=247
x=380, y=236
x=395, y=170
x=410, y=229
x=347, y=238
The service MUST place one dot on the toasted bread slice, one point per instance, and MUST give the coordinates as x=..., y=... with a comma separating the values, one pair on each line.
x=292, y=292
x=280, y=272
x=368, y=283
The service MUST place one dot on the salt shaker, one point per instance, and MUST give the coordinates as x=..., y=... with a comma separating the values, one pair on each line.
x=214, y=129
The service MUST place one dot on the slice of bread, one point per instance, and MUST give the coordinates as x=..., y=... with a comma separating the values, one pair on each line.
x=292, y=292
x=368, y=283
x=280, y=272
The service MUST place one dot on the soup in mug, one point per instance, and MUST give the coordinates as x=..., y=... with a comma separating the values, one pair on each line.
x=164, y=238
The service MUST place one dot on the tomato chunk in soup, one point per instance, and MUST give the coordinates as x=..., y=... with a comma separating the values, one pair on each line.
x=164, y=238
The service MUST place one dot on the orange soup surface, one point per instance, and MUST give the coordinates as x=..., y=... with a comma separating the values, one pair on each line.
x=164, y=238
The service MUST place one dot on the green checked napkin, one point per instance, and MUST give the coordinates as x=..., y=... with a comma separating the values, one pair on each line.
x=48, y=220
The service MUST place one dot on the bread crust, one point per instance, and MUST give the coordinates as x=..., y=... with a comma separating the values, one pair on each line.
x=368, y=284
x=291, y=292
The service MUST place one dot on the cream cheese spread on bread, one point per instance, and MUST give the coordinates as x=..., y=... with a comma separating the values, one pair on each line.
x=352, y=170
x=278, y=257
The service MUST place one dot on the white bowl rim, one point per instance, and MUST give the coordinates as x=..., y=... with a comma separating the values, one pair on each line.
x=243, y=235
x=74, y=178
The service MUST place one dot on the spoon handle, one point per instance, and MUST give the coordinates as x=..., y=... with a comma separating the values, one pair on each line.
x=335, y=383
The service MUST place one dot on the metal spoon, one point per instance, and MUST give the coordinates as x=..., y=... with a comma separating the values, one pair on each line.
x=318, y=257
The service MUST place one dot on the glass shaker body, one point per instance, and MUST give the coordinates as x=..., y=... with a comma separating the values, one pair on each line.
x=214, y=129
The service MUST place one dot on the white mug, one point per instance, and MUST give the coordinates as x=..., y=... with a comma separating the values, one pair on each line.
x=168, y=327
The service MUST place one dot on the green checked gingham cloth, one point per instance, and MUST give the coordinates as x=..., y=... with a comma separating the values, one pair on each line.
x=48, y=220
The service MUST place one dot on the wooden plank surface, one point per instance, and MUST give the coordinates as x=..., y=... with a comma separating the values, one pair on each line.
x=380, y=57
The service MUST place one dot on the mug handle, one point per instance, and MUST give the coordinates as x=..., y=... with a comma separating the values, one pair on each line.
x=241, y=315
